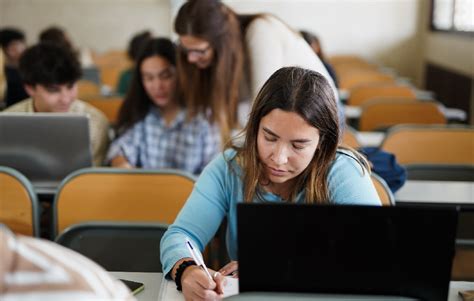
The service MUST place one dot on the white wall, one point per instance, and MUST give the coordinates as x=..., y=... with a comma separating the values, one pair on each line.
x=387, y=31
x=97, y=24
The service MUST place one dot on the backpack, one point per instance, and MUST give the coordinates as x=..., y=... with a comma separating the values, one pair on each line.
x=385, y=165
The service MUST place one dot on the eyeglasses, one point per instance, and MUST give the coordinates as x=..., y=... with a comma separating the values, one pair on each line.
x=198, y=52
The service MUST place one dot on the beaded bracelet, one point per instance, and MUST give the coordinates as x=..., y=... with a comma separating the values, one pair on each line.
x=180, y=271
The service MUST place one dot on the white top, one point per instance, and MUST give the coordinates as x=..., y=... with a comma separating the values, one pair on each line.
x=271, y=44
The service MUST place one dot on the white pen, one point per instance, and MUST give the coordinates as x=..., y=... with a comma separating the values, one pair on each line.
x=197, y=257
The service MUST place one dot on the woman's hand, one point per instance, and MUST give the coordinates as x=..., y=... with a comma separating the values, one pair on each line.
x=196, y=285
x=230, y=269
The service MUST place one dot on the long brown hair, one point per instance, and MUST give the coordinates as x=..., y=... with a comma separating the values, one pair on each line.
x=215, y=90
x=137, y=103
x=308, y=94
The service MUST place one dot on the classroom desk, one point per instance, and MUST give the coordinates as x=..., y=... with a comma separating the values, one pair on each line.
x=436, y=192
x=354, y=112
x=370, y=138
x=152, y=283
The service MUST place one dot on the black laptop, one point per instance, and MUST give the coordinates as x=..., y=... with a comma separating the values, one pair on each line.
x=386, y=251
x=45, y=147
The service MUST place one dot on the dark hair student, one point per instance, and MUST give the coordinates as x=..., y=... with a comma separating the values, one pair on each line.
x=154, y=130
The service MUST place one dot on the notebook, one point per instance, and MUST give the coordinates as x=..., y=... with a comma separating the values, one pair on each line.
x=386, y=251
x=45, y=147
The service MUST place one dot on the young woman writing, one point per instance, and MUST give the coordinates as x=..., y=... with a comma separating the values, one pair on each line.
x=290, y=154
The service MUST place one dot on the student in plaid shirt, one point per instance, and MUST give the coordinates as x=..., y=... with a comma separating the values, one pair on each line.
x=154, y=130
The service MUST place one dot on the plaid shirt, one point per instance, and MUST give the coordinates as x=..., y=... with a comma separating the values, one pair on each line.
x=184, y=145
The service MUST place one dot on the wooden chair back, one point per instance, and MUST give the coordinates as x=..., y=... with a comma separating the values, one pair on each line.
x=363, y=94
x=87, y=89
x=19, y=208
x=110, y=65
x=349, y=138
x=131, y=195
x=110, y=106
x=386, y=113
x=384, y=192
x=431, y=144
x=356, y=79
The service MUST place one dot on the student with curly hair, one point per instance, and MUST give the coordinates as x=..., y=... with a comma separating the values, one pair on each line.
x=50, y=73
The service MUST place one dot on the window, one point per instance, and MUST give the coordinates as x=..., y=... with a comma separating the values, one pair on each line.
x=452, y=15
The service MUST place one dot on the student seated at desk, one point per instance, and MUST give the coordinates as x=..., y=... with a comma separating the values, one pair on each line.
x=290, y=155
x=50, y=73
x=153, y=127
x=36, y=269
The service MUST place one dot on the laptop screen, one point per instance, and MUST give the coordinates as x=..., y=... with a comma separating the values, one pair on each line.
x=367, y=250
x=45, y=147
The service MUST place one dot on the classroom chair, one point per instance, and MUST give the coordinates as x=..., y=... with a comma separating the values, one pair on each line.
x=463, y=264
x=357, y=79
x=19, y=207
x=117, y=246
x=383, y=113
x=109, y=76
x=345, y=60
x=440, y=172
x=345, y=70
x=363, y=94
x=349, y=138
x=424, y=144
x=384, y=192
x=112, y=194
x=110, y=106
x=87, y=89
x=111, y=64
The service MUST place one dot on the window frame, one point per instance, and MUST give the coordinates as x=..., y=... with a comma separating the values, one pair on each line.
x=454, y=31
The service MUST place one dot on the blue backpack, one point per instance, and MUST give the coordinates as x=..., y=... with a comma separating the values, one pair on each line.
x=385, y=165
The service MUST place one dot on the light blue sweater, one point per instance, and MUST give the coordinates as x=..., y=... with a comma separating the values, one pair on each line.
x=219, y=189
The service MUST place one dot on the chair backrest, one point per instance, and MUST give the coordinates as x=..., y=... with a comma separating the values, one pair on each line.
x=127, y=247
x=110, y=65
x=19, y=208
x=349, y=138
x=355, y=79
x=440, y=172
x=110, y=194
x=110, y=106
x=384, y=192
x=383, y=113
x=362, y=94
x=431, y=144
x=87, y=89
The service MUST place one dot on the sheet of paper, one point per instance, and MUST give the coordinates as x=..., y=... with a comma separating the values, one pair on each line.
x=231, y=287
x=169, y=292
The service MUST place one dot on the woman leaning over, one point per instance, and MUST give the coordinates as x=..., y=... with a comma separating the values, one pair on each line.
x=225, y=58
